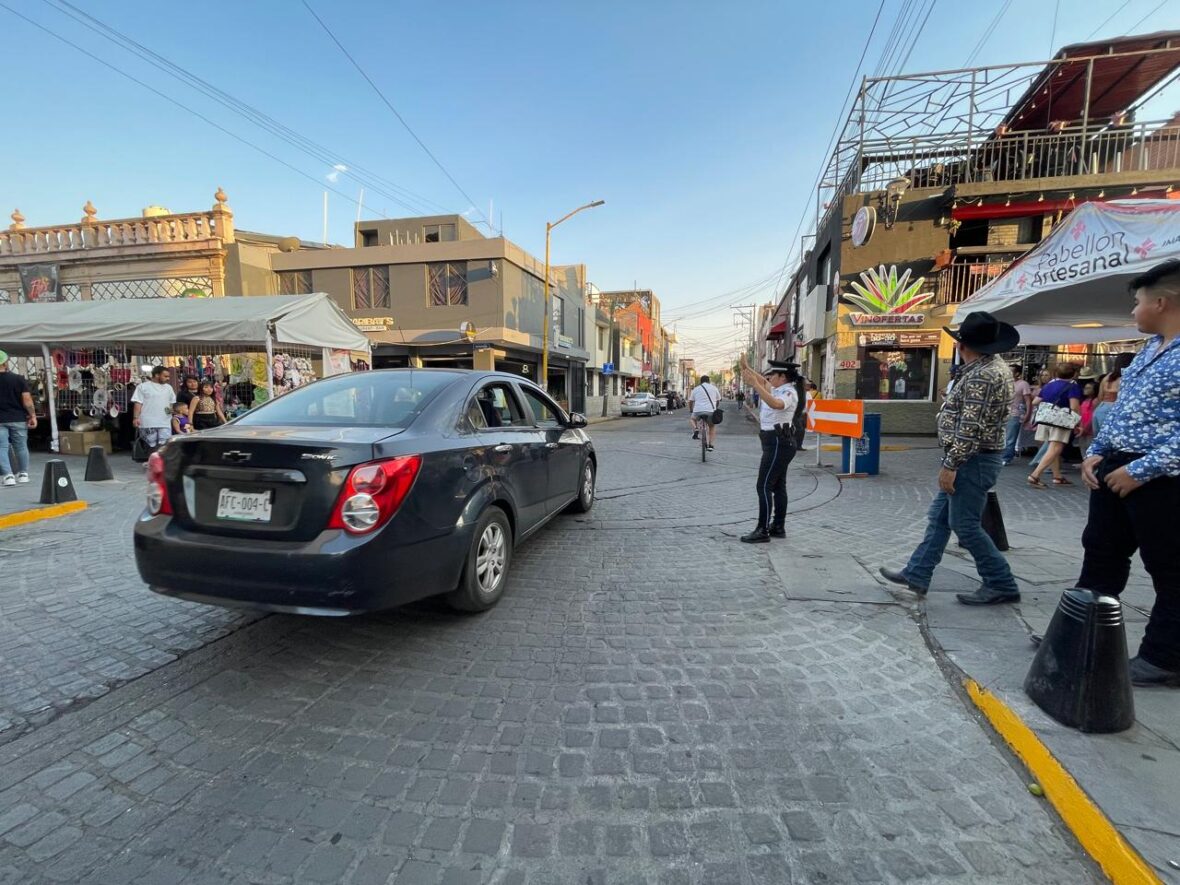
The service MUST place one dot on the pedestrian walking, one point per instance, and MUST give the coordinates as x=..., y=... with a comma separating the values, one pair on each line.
x=1133, y=472
x=205, y=410
x=971, y=427
x=17, y=418
x=1017, y=414
x=151, y=407
x=779, y=400
x=1064, y=393
x=1108, y=390
x=189, y=391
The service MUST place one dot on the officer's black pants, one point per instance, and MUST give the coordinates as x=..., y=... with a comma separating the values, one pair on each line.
x=777, y=451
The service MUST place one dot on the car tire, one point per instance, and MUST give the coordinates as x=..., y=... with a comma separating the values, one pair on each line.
x=491, y=550
x=586, y=487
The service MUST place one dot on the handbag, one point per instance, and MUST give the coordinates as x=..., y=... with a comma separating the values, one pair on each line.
x=718, y=415
x=140, y=450
x=1059, y=417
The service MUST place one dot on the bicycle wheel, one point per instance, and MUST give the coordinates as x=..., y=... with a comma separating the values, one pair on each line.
x=704, y=440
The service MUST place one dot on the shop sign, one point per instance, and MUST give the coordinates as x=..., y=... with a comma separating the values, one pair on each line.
x=863, y=225
x=565, y=341
x=919, y=339
x=848, y=364
x=887, y=299
x=40, y=282
x=373, y=324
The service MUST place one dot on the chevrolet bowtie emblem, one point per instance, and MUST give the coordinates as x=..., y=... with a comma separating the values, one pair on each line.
x=235, y=456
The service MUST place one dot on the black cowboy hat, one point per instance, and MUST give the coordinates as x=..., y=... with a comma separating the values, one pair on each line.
x=983, y=333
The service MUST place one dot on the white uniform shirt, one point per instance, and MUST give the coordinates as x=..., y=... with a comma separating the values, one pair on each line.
x=768, y=417
x=156, y=401
x=700, y=397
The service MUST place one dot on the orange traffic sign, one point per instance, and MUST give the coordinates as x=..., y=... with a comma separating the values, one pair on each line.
x=836, y=417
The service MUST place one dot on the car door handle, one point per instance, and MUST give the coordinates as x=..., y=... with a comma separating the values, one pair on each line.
x=503, y=447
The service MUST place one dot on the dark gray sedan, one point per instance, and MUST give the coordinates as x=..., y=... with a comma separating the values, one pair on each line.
x=363, y=492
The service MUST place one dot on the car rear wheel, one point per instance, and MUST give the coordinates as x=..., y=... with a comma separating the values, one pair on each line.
x=486, y=570
x=585, y=499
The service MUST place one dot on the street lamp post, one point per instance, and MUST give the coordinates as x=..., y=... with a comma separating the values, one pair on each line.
x=544, y=380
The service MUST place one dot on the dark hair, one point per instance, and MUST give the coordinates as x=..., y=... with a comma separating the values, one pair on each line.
x=1166, y=272
x=202, y=382
x=704, y=379
x=1066, y=371
x=157, y=371
x=1120, y=362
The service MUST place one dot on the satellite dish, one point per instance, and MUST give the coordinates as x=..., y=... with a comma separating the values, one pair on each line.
x=289, y=244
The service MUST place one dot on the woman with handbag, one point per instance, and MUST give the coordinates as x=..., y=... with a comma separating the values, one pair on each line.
x=1057, y=413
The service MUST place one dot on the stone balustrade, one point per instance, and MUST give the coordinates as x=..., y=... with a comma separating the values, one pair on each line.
x=95, y=234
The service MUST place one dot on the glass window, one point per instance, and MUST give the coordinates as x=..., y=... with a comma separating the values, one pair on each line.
x=894, y=373
x=500, y=408
x=438, y=233
x=295, y=282
x=545, y=413
x=368, y=238
x=447, y=283
x=362, y=399
x=370, y=287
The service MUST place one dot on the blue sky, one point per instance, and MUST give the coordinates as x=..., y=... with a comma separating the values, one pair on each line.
x=702, y=125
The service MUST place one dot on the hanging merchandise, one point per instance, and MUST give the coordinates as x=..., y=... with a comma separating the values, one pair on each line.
x=258, y=372
x=59, y=359
x=100, y=399
x=74, y=379
x=113, y=410
x=100, y=375
x=63, y=379
x=261, y=395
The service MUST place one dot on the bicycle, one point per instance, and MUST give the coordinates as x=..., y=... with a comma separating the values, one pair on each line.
x=703, y=427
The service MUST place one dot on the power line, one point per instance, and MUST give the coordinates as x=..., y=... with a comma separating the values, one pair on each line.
x=394, y=110
x=175, y=102
x=370, y=180
x=988, y=31
x=1109, y=19
x=1160, y=6
x=1053, y=33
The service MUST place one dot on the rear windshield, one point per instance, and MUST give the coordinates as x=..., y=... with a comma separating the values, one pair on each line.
x=362, y=399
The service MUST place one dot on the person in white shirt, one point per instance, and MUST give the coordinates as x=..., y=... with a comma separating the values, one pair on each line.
x=776, y=414
x=152, y=408
x=704, y=399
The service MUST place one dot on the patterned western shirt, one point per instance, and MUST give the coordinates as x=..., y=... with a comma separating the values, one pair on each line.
x=976, y=411
x=1146, y=416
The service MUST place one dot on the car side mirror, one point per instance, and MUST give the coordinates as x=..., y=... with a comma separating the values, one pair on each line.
x=577, y=419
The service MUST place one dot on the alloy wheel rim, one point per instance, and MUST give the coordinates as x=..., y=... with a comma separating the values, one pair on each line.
x=489, y=559
x=588, y=485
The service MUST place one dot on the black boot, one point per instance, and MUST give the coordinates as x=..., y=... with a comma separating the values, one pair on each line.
x=758, y=536
x=777, y=531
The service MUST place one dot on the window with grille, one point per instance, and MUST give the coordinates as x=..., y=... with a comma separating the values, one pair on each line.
x=295, y=282
x=370, y=287
x=438, y=233
x=447, y=283
x=176, y=287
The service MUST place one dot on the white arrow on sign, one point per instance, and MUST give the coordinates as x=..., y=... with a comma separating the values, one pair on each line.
x=814, y=415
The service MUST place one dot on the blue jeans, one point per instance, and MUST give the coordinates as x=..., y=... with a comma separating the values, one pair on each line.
x=15, y=434
x=1011, y=437
x=1041, y=452
x=962, y=513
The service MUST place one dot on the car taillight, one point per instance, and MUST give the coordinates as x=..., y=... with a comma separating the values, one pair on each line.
x=372, y=494
x=157, y=491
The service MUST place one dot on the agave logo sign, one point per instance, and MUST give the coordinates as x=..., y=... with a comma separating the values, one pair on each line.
x=885, y=299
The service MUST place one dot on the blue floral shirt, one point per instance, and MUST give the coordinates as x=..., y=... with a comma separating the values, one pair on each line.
x=1146, y=416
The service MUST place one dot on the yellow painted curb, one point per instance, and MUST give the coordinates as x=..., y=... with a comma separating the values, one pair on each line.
x=1089, y=825
x=24, y=517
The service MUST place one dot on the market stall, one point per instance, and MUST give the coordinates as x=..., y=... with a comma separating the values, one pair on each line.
x=1072, y=288
x=91, y=354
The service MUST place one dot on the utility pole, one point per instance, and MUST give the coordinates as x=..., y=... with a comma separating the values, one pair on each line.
x=745, y=314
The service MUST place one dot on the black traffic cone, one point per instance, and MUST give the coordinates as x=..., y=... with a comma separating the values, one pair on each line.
x=56, y=485
x=1080, y=675
x=98, y=468
x=993, y=521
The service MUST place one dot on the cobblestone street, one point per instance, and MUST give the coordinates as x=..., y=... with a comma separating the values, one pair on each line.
x=647, y=704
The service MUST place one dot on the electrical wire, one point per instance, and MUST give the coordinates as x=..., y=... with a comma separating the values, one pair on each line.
x=318, y=181
x=372, y=181
x=987, y=33
x=1160, y=6
x=395, y=112
x=1109, y=19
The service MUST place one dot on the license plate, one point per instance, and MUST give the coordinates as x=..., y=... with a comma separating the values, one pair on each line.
x=243, y=506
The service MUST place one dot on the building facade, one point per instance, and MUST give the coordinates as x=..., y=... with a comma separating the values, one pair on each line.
x=413, y=285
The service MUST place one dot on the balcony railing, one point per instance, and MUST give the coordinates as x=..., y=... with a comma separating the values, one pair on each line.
x=941, y=161
x=188, y=227
x=959, y=281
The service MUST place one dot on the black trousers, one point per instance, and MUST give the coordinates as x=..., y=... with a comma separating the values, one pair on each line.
x=1142, y=521
x=777, y=451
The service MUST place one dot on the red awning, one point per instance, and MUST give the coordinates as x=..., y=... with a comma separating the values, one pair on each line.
x=777, y=331
x=1120, y=79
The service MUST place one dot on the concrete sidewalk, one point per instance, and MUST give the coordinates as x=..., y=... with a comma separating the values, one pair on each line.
x=128, y=480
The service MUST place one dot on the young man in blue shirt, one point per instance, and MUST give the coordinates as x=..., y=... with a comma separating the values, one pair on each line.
x=1133, y=471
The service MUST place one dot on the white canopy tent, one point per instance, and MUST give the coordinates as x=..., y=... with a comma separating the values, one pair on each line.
x=1072, y=288
x=158, y=325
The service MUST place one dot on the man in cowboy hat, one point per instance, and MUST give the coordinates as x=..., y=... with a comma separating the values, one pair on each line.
x=971, y=431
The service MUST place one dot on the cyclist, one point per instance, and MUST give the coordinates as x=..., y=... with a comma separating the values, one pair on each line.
x=705, y=397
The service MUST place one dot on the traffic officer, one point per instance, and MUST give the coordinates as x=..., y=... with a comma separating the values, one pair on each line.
x=779, y=402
